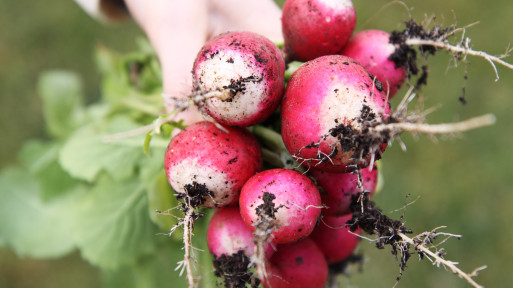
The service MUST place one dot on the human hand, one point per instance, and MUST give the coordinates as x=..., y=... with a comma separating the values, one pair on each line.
x=178, y=30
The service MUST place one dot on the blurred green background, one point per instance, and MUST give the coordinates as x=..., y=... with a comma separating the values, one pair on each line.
x=463, y=182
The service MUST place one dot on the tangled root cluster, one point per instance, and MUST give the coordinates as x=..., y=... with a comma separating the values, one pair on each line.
x=372, y=220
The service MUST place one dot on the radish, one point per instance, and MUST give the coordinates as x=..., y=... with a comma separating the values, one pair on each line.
x=338, y=189
x=227, y=234
x=241, y=76
x=297, y=265
x=329, y=105
x=296, y=203
x=334, y=239
x=211, y=165
x=372, y=48
x=313, y=28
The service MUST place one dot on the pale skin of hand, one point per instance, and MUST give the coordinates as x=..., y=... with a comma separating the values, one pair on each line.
x=178, y=29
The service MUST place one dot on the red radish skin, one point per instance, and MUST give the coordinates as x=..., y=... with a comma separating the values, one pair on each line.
x=326, y=105
x=334, y=239
x=372, y=49
x=227, y=234
x=313, y=28
x=247, y=69
x=300, y=198
x=206, y=155
x=339, y=188
x=297, y=265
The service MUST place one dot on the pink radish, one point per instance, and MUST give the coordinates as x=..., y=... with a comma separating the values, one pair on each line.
x=328, y=107
x=313, y=28
x=339, y=188
x=296, y=203
x=244, y=72
x=210, y=164
x=227, y=234
x=373, y=49
x=334, y=239
x=297, y=265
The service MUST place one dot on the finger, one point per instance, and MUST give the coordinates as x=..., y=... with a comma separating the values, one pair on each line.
x=177, y=30
x=262, y=16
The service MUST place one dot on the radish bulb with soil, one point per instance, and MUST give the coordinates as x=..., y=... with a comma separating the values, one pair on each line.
x=240, y=76
x=328, y=109
x=295, y=203
x=210, y=165
x=233, y=246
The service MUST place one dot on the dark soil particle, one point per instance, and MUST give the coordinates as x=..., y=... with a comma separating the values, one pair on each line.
x=405, y=56
x=422, y=80
x=366, y=114
x=234, y=270
x=268, y=207
x=239, y=85
x=361, y=142
x=312, y=145
x=195, y=194
x=212, y=55
x=259, y=58
x=377, y=83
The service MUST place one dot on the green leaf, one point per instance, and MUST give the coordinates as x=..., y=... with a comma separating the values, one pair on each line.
x=41, y=160
x=115, y=82
x=112, y=227
x=161, y=198
x=126, y=78
x=86, y=153
x=61, y=92
x=160, y=195
x=29, y=226
x=168, y=128
x=151, y=272
x=164, y=132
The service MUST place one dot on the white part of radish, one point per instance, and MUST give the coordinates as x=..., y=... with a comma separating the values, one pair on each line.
x=190, y=170
x=337, y=4
x=232, y=245
x=345, y=106
x=215, y=73
x=283, y=216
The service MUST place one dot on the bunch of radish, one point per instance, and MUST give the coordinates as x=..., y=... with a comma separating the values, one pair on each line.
x=288, y=224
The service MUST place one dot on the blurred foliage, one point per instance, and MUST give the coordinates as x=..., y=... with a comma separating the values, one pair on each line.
x=463, y=182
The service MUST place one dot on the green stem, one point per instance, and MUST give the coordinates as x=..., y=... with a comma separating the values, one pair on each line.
x=291, y=68
x=269, y=138
x=140, y=105
x=274, y=151
x=272, y=158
